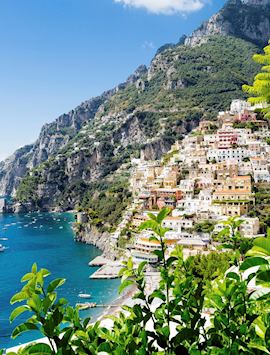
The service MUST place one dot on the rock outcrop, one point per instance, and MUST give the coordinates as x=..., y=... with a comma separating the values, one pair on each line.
x=246, y=19
x=102, y=241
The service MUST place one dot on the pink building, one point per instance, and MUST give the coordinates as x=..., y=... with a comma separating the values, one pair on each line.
x=226, y=138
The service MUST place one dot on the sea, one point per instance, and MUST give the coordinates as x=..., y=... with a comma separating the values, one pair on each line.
x=48, y=240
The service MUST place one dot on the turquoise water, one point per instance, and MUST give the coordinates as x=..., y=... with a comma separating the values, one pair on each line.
x=46, y=238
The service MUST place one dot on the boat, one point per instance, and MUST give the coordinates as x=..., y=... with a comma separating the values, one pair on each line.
x=84, y=295
x=3, y=238
x=2, y=248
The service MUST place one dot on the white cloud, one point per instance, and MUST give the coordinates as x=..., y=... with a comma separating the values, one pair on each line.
x=148, y=45
x=167, y=7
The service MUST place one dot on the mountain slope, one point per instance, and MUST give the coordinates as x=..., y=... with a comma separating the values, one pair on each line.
x=153, y=108
x=53, y=137
x=182, y=85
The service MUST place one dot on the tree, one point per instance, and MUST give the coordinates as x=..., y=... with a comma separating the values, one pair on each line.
x=204, y=227
x=210, y=266
x=260, y=90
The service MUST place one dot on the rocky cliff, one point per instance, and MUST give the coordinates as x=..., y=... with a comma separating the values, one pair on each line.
x=246, y=19
x=53, y=137
x=83, y=152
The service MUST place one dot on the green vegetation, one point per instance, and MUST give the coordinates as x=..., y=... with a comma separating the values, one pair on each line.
x=249, y=125
x=267, y=140
x=259, y=91
x=231, y=238
x=261, y=208
x=27, y=191
x=212, y=74
x=167, y=157
x=238, y=323
x=221, y=202
x=210, y=266
x=105, y=201
x=204, y=227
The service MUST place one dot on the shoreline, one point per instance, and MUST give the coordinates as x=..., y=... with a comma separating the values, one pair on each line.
x=115, y=302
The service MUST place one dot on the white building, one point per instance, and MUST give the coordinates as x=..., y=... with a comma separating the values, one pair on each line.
x=190, y=205
x=238, y=106
x=177, y=224
x=187, y=186
x=237, y=154
x=188, y=240
x=249, y=228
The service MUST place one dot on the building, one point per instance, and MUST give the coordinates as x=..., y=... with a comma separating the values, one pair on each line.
x=177, y=224
x=138, y=219
x=249, y=228
x=144, y=247
x=239, y=106
x=233, y=188
x=226, y=138
x=188, y=240
x=233, y=195
x=238, y=154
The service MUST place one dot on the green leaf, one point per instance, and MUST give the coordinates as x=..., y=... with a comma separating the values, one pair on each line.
x=34, y=268
x=267, y=336
x=157, y=294
x=263, y=278
x=261, y=247
x=19, y=297
x=233, y=275
x=130, y=264
x=154, y=239
x=35, y=303
x=45, y=272
x=152, y=216
x=183, y=334
x=18, y=311
x=259, y=327
x=39, y=349
x=171, y=260
x=22, y=328
x=105, y=347
x=253, y=261
x=27, y=277
x=124, y=285
x=55, y=284
x=142, y=266
x=259, y=347
x=163, y=214
x=259, y=294
x=158, y=253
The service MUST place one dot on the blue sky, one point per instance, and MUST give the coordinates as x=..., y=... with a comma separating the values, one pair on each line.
x=57, y=53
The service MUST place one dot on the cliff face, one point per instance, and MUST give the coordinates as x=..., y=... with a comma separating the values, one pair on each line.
x=147, y=113
x=13, y=169
x=52, y=138
x=246, y=19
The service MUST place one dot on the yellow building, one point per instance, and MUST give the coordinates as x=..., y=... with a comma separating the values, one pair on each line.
x=234, y=195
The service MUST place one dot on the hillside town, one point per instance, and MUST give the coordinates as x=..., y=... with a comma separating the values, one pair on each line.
x=208, y=177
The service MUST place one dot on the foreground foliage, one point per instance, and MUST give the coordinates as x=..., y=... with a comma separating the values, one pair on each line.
x=184, y=315
x=259, y=91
